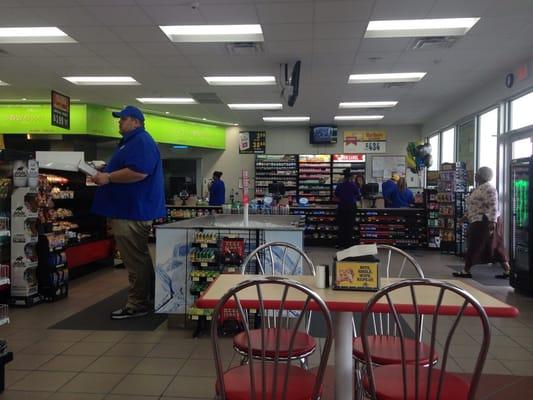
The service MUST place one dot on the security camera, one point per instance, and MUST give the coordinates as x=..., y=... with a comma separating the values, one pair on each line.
x=195, y=5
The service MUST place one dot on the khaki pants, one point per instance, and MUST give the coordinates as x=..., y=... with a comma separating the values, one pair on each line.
x=131, y=238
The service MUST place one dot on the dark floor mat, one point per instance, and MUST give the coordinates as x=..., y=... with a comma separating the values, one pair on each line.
x=96, y=317
x=483, y=274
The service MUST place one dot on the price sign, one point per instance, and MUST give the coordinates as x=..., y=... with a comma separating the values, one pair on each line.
x=365, y=142
x=60, y=110
x=356, y=275
x=252, y=142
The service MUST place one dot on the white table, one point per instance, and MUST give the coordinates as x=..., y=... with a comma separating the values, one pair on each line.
x=343, y=304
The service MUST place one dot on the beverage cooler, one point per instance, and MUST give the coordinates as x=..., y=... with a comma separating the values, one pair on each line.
x=520, y=246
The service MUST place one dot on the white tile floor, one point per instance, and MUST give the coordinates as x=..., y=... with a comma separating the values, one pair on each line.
x=169, y=364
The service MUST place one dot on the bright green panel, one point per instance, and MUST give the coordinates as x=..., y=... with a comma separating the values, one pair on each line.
x=37, y=118
x=97, y=120
x=163, y=130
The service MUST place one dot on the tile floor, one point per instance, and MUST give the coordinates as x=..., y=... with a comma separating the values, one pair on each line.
x=169, y=364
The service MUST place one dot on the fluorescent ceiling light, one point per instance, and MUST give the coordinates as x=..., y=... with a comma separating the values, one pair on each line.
x=357, y=117
x=367, y=104
x=420, y=27
x=2, y=83
x=386, y=78
x=256, y=106
x=101, y=80
x=286, y=119
x=213, y=33
x=240, y=80
x=49, y=34
x=166, y=100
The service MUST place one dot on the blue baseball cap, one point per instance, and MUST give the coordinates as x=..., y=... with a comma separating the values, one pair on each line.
x=129, y=111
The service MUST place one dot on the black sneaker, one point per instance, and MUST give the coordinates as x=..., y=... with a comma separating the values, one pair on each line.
x=124, y=313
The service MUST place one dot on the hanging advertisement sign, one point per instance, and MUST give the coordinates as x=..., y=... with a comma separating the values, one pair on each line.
x=365, y=142
x=60, y=110
x=252, y=142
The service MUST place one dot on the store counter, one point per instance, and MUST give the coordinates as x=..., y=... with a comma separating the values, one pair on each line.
x=192, y=252
x=400, y=227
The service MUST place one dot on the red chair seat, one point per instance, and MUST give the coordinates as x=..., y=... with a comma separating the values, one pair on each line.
x=237, y=382
x=386, y=350
x=303, y=343
x=389, y=384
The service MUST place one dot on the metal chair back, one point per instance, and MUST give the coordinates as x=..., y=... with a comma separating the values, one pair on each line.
x=287, y=289
x=393, y=263
x=384, y=300
x=278, y=258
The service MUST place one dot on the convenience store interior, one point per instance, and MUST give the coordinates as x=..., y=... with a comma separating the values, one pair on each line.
x=472, y=105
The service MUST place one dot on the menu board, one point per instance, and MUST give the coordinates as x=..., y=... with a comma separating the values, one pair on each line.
x=60, y=110
x=252, y=142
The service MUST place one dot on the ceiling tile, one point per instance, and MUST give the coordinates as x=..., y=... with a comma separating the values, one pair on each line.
x=174, y=15
x=287, y=31
x=120, y=16
x=384, y=45
x=327, y=59
x=355, y=10
x=66, y=16
x=335, y=45
x=285, y=12
x=18, y=16
x=69, y=49
x=156, y=49
x=229, y=13
x=339, y=30
x=292, y=48
x=458, y=8
x=405, y=9
x=509, y=8
x=201, y=48
x=145, y=34
x=84, y=34
x=112, y=49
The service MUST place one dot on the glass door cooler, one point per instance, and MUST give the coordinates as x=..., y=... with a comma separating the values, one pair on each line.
x=520, y=246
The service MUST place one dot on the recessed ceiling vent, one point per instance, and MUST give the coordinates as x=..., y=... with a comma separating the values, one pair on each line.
x=206, y=98
x=433, y=43
x=244, y=48
x=390, y=85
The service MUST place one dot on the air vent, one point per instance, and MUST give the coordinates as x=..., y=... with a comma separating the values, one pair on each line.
x=244, y=48
x=437, y=42
x=390, y=85
x=206, y=98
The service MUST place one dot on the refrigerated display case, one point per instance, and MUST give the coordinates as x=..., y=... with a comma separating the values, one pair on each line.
x=521, y=276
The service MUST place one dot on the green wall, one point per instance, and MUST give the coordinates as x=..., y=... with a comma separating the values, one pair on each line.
x=97, y=120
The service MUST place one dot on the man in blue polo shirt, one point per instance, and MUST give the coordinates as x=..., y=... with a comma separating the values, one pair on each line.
x=131, y=195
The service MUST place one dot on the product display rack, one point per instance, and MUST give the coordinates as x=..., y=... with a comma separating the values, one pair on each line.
x=433, y=218
x=280, y=168
x=320, y=224
x=356, y=163
x=401, y=227
x=314, y=178
x=451, y=198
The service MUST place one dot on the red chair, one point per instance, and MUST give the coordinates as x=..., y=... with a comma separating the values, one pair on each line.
x=274, y=378
x=277, y=259
x=384, y=343
x=411, y=380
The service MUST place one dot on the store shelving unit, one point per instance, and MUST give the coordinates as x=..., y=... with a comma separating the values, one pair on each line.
x=320, y=224
x=401, y=227
x=433, y=218
x=314, y=178
x=281, y=168
x=451, y=198
x=356, y=163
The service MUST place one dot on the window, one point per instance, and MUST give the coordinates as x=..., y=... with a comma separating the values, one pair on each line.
x=522, y=148
x=521, y=114
x=488, y=141
x=435, y=150
x=448, y=146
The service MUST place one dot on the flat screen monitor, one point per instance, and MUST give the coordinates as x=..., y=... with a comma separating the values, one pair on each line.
x=323, y=135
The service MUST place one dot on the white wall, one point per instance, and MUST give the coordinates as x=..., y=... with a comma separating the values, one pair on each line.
x=488, y=95
x=291, y=140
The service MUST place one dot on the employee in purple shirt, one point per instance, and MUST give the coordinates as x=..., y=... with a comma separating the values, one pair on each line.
x=347, y=194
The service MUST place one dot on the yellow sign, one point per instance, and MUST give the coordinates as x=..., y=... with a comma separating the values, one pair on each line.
x=356, y=275
x=366, y=136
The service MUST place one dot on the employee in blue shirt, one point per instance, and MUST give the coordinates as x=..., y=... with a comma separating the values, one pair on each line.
x=347, y=194
x=390, y=189
x=131, y=195
x=403, y=197
x=217, y=190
